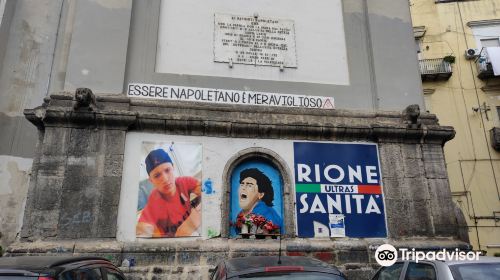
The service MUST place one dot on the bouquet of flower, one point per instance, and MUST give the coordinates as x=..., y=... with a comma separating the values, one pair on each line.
x=271, y=227
x=244, y=219
x=259, y=221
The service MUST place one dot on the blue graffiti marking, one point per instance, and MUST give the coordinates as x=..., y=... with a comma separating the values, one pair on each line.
x=207, y=187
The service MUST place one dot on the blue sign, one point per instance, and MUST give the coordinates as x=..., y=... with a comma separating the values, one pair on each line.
x=338, y=190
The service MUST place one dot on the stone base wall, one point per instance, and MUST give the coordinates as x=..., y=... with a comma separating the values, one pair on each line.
x=75, y=186
x=192, y=259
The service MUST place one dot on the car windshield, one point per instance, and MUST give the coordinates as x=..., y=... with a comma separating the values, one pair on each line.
x=291, y=276
x=473, y=271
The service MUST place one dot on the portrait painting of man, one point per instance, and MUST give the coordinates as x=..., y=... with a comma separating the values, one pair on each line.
x=170, y=194
x=256, y=194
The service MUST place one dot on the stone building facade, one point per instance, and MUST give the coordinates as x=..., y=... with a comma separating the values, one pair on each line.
x=88, y=164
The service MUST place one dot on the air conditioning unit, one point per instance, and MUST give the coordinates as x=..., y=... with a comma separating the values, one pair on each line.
x=471, y=53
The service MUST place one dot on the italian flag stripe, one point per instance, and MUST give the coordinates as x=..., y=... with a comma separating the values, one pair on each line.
x=308, y=188
x=369, y=189
x=316, y=188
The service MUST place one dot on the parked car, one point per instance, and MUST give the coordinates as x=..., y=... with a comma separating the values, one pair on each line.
x=58, y=268
x=275, y=268
x=486, y=268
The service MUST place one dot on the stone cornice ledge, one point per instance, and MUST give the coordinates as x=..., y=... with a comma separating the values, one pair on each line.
x=113, y=101
x=42, y=117
x=427, y=134
x=188, y=118
x=142, y=105
x=226, y=245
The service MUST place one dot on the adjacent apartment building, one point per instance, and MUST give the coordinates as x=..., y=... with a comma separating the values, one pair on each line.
x=458, y=47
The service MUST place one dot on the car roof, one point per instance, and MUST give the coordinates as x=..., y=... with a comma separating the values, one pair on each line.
x=481, y=260
x=256, y=263
x=42, y=262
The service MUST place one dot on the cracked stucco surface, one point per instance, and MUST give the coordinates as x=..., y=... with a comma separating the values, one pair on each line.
x=14, y=180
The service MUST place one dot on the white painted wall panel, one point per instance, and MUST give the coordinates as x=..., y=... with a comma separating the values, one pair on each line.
x=186, y=34
x=216, y=154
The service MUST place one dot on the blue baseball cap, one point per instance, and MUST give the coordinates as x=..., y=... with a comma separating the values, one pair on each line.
x=155, y=158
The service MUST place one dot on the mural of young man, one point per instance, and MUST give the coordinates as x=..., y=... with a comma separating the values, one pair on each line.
x=256, y=195
x=169, y=211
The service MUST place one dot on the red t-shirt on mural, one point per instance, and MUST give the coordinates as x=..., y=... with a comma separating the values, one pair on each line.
x=168, y=213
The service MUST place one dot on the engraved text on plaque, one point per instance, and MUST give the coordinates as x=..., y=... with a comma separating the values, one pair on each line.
x=254, y=40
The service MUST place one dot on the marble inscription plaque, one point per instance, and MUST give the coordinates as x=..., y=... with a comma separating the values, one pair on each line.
x=254, y=40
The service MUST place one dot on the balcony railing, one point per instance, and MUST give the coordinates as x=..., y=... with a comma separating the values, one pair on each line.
x=434, y=69
x=484, y=66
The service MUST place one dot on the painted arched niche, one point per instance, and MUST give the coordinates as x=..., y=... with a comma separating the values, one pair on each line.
x=275, y=168
x=256, y=191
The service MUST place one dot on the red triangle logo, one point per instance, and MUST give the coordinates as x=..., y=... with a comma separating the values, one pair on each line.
x=328, y=104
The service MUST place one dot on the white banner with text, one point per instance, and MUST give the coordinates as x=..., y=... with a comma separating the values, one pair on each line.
x=225, y=96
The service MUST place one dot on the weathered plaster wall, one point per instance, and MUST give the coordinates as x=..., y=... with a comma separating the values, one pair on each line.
x=98, y=48
x=27, y=40
x=14, y=178
x=48, y=46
